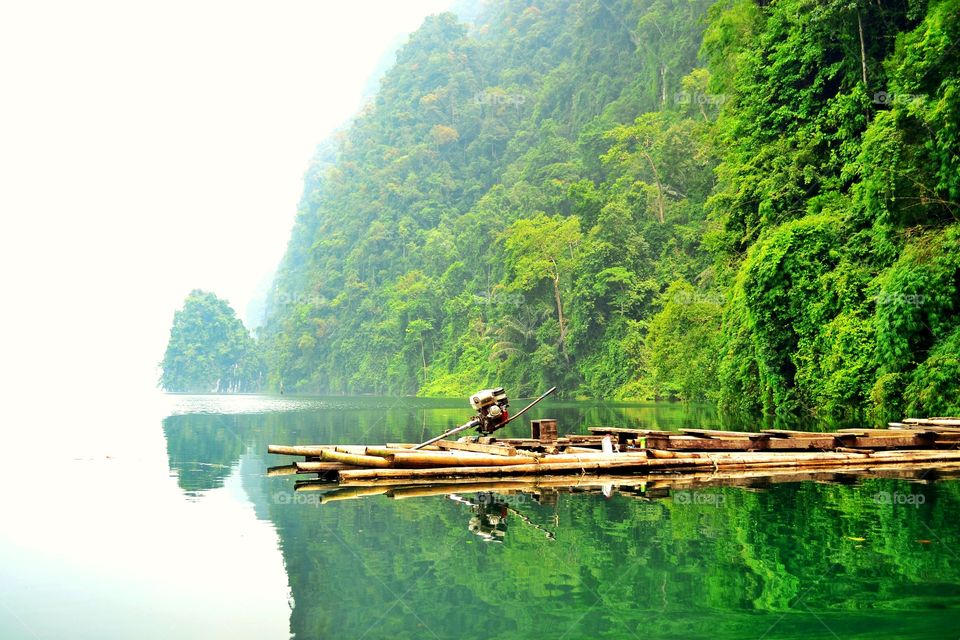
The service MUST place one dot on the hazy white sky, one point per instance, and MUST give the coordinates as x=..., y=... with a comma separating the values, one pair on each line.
x=150, y=148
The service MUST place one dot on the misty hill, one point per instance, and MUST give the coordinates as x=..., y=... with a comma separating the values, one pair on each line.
x=210, y=350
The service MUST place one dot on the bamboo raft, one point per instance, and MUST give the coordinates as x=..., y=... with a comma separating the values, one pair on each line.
x=546, y=489
x=623, y=457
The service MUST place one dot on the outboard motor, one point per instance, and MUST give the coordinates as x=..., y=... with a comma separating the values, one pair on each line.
x=491, y=407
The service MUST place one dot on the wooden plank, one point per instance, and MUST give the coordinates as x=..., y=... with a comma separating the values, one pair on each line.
x=795, y=434
x=880, y=442
x=493, y=449
x=684, y=443
x=883, y=432
x=934, y=428
x=714, y=433
x=635, y=432
x=822, y=442
x=688, y=443
x=865, y=452
x=935, y=422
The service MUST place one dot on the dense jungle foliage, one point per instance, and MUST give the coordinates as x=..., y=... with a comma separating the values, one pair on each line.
x=754, y=203
x=210, y=349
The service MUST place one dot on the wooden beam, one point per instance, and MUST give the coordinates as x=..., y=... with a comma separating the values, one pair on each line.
x=689, y=443
x=930, y=427
x=713, y=433
x=883, y=432
x=891, y=442
x=493, y=449
x=937, y=422
x=794, y=434
x=822, y=441
x=601, y=431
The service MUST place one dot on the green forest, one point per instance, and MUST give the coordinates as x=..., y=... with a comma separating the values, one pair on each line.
x=210, y=350
x=744, y=202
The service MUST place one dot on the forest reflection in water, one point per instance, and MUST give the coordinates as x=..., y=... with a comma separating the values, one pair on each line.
x=858, y=557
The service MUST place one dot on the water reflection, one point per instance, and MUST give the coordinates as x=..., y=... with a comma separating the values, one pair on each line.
x=831, y=556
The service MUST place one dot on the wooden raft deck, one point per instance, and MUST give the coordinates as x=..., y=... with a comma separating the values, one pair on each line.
x=915, y=445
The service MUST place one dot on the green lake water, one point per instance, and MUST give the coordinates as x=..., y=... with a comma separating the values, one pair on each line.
x=179, y=533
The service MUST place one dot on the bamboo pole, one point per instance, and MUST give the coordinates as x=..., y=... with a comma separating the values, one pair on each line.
x=356, y=449
x=354, y=459
x=322, y=467
x=526, y=481
x=457, y=459
x=385, y=452
x=298, y=449
x=285, y=470
x=314, y=450
x=656, y=478
x=413, y=487
x=465, y=471
x=350, y=493
x=655, y=486
x=575, y=449
x=315, y=485
x=664, y=454
x=419, y=491
x=709, y=461
x=407, y=445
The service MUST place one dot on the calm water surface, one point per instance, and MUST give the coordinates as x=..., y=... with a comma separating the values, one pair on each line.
x=166, y=525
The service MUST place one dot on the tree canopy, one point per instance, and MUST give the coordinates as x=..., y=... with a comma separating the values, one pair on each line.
x=210, y=349
x=750, y=202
